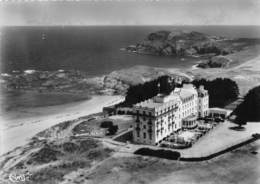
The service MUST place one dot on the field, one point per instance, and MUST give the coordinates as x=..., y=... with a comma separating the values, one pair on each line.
x=59, y=157
x=240, y=166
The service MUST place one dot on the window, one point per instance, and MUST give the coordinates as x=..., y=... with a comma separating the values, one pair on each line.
x=144, y=126
x=144, y=135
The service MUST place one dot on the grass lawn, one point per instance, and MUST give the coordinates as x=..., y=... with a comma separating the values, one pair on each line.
x=220, y=138
x=236, y=167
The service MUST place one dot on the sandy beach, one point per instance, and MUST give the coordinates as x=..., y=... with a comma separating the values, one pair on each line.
x=252, y=64
x=23, y=129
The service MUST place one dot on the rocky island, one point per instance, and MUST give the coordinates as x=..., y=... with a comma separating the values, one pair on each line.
x=214, y=51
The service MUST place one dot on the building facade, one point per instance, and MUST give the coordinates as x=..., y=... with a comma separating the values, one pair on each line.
x=203, y=105
x=162, y=115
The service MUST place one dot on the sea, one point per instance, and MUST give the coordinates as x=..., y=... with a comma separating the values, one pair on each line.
x=96, y=50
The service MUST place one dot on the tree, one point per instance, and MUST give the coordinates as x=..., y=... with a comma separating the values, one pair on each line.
x=249, y=109
x=141, y=92
x=221, y=90
x=111, y=129
x=240, y=122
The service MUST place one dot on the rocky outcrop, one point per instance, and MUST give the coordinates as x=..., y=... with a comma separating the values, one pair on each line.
x=216, y=62
x=179, y=43
x=116, y=82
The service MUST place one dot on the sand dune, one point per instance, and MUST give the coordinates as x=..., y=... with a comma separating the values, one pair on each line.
x=26, y=128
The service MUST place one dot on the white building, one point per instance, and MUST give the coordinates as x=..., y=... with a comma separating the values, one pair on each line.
x=219, y=112
x=203, y=105
x=162, y=115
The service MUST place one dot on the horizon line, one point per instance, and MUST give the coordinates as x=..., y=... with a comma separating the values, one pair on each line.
x=92, y=25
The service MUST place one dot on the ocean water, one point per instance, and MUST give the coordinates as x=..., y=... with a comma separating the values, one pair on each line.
x=93, y=49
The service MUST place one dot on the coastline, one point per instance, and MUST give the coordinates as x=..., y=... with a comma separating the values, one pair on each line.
x=41, y=118
x=28, y=127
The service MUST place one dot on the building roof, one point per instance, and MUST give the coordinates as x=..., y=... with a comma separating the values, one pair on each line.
x=159, y=100
x=216, y=109
x=186, y=91
x=190, y=118
x=149, y=104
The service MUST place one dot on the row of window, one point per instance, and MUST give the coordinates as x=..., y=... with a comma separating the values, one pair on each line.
x=144, y=135
x=144, y=113
x=204, y=113
x=185, y=100
x=189, y=123
x=187, y=105
x=144, y=119
x=173, y=107
x=150, y=127
x=188, y=112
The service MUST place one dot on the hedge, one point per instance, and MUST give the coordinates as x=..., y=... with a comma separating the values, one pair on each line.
x=161, y=153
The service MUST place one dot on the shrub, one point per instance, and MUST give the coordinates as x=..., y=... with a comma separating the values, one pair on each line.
x=70, y=147
x=44, y=155
x=99, y=153
x=106, y=124
x=88, y=144
x=112, y=129
x=161, y=153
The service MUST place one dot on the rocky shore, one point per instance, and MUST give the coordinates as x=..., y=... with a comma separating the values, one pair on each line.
x=73, y=82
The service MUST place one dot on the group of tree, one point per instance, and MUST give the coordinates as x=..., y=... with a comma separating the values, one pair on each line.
x=141, y=92
x=249, y=109
x=221, y=91
x=111, y=128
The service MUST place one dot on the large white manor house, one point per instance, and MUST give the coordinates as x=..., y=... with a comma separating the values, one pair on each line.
x=162, y=115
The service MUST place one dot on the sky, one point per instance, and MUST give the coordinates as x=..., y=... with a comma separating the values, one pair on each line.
x=130, y=12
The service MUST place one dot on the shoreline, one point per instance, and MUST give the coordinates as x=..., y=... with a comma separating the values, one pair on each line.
x=28, y=127
x=21, y=129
